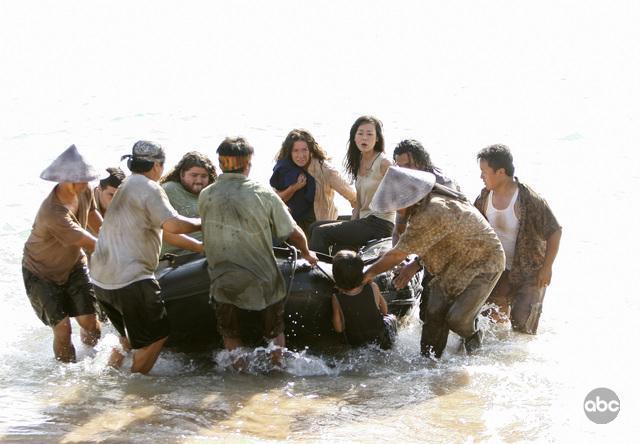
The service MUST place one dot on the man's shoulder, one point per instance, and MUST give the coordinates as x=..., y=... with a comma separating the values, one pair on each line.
x=51, y=206
x=136, y=180
x=239, y=187
x=171, y=186
x=529, y=194
x=139, y=183
x=175, y=191
x=448, y=206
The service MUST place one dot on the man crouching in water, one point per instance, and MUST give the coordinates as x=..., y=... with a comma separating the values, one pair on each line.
x=240, y=219
x=458, y=247
x=54, y=265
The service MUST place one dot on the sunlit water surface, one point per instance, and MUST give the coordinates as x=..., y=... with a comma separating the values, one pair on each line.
x=558, y=84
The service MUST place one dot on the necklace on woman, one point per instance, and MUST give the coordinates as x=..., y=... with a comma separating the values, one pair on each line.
x=367, y=169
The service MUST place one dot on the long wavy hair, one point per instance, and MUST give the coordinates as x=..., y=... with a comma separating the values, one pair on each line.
x=353, y=157
x=188, y=161
x=295, y=135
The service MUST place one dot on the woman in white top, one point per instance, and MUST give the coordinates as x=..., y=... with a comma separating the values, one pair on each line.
x=366, y=164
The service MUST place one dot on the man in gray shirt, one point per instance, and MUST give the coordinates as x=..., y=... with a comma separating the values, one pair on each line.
x=126, y=255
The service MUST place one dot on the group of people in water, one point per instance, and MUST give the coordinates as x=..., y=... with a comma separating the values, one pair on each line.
x=499, y=250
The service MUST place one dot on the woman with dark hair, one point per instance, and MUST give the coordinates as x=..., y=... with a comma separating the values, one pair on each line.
x=366, y=164
x=306, y=181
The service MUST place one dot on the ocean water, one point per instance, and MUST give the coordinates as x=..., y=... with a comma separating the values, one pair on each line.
x=556, y=81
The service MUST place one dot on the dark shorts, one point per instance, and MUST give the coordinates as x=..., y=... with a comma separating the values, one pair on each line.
x=52, y=302
x=136, y=311
x=233, y=322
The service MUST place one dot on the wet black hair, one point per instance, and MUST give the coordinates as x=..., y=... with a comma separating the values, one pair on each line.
x=139, y=166
x=114, y=179
x=348, y=269
x=417, y=152
x=234, y=147
x=498, y=156
x=352, y=159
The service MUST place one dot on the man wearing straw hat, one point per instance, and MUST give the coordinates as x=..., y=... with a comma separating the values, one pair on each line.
x=54, y=265
x=240, y=219
x=457, y=245
x=127, y=253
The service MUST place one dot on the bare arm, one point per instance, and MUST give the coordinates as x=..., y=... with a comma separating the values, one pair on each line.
x=336, y=319
x=400, y=226
x=380, y=302
x=406, y=273
x=181, y=225
x=182, y=241
x=553, y=245
x=384, y=166
x=95, y=220
x=299, y=240
x=288, y=192
x=87, y=241
x=389, y=260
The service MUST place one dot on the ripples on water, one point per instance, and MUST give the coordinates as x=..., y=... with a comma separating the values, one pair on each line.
x=337, y=395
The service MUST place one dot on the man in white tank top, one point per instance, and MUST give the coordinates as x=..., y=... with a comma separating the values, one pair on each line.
x=530, y=236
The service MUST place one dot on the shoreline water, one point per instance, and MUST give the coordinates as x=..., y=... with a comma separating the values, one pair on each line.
x=555, y=81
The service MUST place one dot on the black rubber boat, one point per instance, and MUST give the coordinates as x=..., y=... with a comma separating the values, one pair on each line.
x=185, y=290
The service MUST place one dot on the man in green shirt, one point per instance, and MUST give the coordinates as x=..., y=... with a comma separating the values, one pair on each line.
x=240, y=219
x=183, y=185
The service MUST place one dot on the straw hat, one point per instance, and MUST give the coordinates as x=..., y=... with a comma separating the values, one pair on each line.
x=70, y=166
x=401, y=188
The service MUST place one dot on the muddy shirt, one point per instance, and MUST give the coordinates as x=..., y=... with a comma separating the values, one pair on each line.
x=240, y=219
x=537, y=223
x=186, y=204
x=128, y=245
x=49, y=252
x=455, y=242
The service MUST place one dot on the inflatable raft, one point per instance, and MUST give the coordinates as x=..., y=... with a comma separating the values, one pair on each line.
x=185, y=289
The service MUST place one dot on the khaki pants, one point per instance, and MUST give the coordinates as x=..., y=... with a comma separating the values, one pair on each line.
x=442, y=313
x=521, y=303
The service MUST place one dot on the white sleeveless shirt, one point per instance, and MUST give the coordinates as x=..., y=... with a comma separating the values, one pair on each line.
x=506, y=224
x=366, y=186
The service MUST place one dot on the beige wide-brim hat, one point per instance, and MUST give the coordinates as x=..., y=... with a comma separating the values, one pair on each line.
x=400, y=188
x=70, y=166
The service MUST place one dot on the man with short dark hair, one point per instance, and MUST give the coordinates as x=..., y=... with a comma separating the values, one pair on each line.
x=107, y=188
x=530, y=236
x=126, y=256
x=54, y=265
x=240, y=219
x=183, y=185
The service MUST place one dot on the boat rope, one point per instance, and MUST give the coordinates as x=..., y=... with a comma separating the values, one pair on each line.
x=293, y=260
